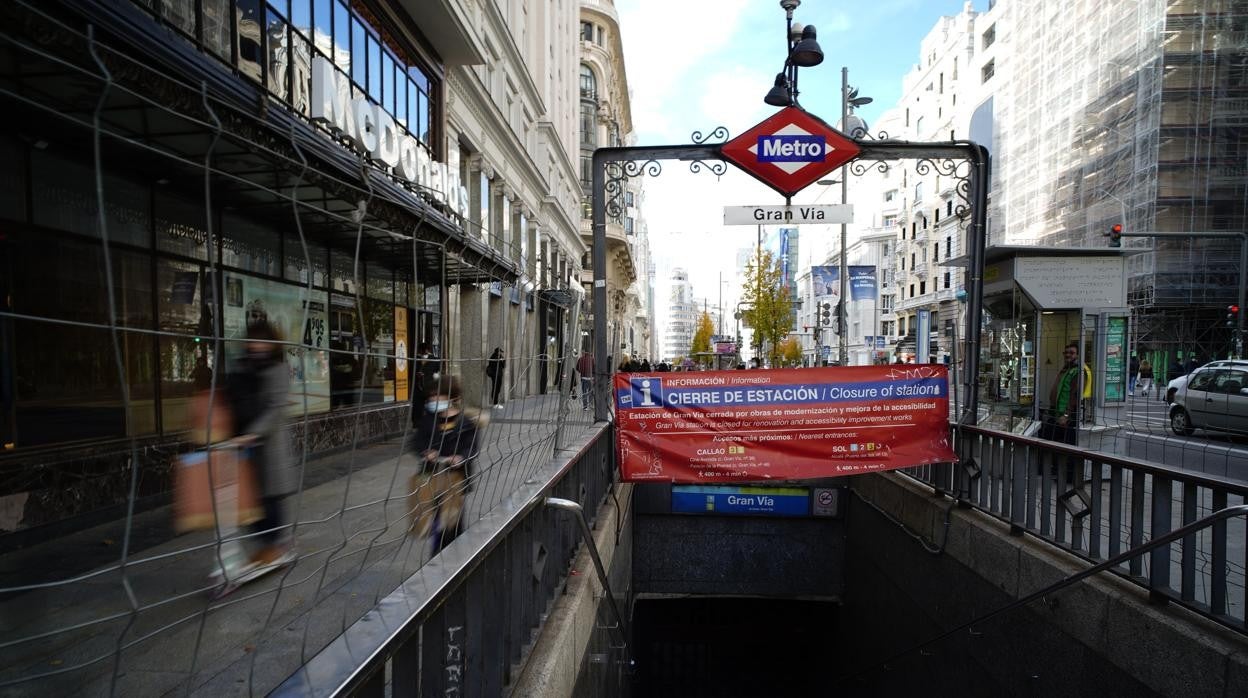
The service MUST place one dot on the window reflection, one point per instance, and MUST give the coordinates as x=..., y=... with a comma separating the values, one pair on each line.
x=342, y=36
x=250, y=38
x=359, y=55
x=279, y=52
x=216, y=26
x=374, y=68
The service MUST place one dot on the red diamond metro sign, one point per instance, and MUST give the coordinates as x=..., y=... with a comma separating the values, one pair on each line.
x=789, y=150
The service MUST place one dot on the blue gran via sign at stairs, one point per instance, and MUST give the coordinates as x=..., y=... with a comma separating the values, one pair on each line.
x=723, y=499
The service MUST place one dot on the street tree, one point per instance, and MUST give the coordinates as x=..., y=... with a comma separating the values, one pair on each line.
x=702, y=338
x=791, y=352
x=769, y=308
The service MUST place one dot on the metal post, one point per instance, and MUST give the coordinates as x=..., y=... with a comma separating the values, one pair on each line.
x=602, y=372
x=841, y=321
x=1243, y=288
x=977, y=241
x=758, y=294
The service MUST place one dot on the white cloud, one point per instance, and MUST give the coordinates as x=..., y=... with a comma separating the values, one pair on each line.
x=666, y=44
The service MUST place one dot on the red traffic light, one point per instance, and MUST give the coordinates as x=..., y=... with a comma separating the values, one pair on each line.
x=1232, y=309
x=1116, y=229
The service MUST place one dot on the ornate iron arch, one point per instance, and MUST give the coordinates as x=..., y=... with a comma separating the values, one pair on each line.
x=965, y=161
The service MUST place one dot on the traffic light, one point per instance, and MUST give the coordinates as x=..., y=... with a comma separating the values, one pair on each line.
x=1115, y=235
x=825, y=314
x=1232, y=315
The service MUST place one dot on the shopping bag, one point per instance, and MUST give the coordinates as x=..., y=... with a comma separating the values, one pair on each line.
x=438, y=494
x=209, y=418
x=232, y=488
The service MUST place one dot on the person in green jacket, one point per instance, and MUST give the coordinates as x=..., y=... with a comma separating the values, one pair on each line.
x=1062, y=423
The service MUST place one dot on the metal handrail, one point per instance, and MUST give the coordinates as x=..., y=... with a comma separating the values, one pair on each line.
x=621, y=625
x=1095, y=505
x=1181, y=532
x=1187, y=476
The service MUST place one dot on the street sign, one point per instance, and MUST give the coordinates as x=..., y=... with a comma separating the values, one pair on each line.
x=826, y=350
x=757, y=215
x=789, y=150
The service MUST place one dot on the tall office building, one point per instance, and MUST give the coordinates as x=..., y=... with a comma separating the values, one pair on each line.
x=682, y=317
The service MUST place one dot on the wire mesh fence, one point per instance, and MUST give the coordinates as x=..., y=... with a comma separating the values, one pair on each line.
x=162, y=225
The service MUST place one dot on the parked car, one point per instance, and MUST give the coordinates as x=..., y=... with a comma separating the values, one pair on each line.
x=1214, y=396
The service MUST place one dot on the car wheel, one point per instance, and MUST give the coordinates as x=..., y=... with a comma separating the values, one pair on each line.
x=1181, y=423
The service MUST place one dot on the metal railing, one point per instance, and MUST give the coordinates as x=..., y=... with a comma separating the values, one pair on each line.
x=1097, y=505
x=463, y=623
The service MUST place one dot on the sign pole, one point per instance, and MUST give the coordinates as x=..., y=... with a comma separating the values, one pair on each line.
x=841, y=318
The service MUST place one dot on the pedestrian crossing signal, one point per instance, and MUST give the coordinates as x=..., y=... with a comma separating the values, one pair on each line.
x=1115, y=235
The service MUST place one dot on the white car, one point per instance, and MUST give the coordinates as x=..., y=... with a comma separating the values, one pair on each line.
x=1213, y=397
x=1174, y=385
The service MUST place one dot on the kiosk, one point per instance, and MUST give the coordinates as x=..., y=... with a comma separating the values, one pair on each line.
x=1036, y=301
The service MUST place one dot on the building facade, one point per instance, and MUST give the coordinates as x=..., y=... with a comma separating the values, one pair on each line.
x=682, y=317
x=605, y=120
x=366, y=179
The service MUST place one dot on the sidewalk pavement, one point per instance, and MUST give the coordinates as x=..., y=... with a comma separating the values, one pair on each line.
x=353, y=546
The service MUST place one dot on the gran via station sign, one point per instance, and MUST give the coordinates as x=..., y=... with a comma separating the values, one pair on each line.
x=375, y=131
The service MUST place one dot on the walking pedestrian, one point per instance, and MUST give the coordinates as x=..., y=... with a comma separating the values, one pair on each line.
x=1145, y=382
x=495, y=369
x=446, y=443
x=259, y=390
x=585, y=369
x=1133, y=370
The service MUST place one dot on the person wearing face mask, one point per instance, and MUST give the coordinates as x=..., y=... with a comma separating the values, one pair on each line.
x=445, y=443
x=259, y=390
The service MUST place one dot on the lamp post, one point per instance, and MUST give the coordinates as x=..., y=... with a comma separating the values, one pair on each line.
x=849, y=100
x=801, y=51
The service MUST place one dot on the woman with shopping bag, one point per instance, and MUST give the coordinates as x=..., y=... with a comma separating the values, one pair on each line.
x=445, y=446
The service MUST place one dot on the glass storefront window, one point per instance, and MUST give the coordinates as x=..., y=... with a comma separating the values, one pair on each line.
x=65, y=378
x=379, y=369
x=12, y=180
x=63, y=197
x=380, y=282
x=186, y=361
x=248, y=246
x=346, y=344
x=297, y=261
x=300, y=318
x=181, y=227
x=342, y=273
x=1008, y=368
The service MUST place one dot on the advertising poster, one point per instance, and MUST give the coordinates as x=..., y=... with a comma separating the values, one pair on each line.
x=723, y=427
x=250, y=300
x=400, y=353
x=861, y=283
x=1115, y=359
x=826, y=280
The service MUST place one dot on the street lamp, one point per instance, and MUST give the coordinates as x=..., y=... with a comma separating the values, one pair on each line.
x=849, y=101
x=801, y=51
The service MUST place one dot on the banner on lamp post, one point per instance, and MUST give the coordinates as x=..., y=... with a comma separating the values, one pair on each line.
x=861, y=282
x=826, y=280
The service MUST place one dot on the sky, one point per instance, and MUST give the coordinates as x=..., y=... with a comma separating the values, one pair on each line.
x=693, y=65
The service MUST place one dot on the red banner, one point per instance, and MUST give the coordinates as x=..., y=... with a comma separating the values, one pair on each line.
x=785, y=424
